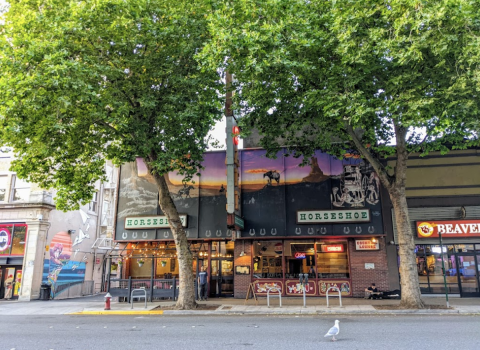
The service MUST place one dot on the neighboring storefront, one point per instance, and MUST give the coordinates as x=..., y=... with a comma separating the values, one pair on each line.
x=458, y=254
x=324, y=219
x=12, y=248
x=443, y=196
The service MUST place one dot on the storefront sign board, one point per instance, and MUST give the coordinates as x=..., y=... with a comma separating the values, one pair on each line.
x=342, y=285
x=448, y=228
x=366, y=244
x=262, y=286
x=294, y=287
x=154, y=221
x=5, y=238
x=333, y=216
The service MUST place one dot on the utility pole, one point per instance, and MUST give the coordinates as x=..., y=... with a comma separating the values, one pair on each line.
x=234, y=219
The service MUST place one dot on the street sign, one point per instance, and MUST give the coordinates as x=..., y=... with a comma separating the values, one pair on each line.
x=239, y=222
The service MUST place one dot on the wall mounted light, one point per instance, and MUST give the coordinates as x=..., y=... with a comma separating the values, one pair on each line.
x=243, y=250
x=374, y=240
x=71, y=232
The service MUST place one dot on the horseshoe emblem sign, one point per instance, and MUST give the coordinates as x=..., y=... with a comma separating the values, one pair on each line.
x=251, y=232
x=262, y=232
x=124, y=235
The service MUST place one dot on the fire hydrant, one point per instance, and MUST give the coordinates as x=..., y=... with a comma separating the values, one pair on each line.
x=108, y=297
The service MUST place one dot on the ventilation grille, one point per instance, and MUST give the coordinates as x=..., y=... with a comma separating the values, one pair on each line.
x=435, y=213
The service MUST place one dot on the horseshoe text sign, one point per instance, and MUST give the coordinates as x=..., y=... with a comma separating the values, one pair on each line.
x=155, y=221
x=333, y=216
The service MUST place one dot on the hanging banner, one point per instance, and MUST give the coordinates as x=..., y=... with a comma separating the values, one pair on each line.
x=448, y=228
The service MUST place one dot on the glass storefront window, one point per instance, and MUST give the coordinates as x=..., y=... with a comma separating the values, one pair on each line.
x=429, y=266
x=300, y=258
x=18, y=241
x=267, y=260
x=332, y=260
x=3, y=187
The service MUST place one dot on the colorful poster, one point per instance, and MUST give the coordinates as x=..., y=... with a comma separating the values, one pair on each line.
x=9, y=282
x=18, y=283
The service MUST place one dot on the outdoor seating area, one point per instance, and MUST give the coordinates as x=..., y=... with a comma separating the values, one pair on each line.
x=162, y=288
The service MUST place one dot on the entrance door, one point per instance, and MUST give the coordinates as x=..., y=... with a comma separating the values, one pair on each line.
x=221, y=283
x=467, y=268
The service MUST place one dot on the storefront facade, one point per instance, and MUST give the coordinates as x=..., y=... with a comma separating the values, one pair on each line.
x=324, y=219
x=443, y=196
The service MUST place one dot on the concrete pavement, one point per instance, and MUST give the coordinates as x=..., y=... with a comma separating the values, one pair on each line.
x=94, y=305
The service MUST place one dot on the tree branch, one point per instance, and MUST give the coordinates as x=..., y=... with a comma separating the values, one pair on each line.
x=374, y=161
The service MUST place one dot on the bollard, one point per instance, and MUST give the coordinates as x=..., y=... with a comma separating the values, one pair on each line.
x=108, y=297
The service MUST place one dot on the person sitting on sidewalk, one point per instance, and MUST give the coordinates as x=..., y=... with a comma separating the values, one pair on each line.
x=372, y=292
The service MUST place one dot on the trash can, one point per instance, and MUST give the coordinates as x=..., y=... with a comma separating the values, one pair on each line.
x=45, y=292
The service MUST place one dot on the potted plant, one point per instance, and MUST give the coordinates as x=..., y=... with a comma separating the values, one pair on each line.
x=164, y=263
x=141, y=262
x=120, y=262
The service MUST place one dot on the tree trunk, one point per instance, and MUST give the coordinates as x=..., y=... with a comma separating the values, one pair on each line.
x=186, y=297
x=411, y=297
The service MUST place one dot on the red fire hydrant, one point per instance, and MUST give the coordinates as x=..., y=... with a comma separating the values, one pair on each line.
x=108, y=297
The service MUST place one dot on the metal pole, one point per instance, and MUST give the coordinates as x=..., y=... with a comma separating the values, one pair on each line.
x=304, y=299
x=443, y=268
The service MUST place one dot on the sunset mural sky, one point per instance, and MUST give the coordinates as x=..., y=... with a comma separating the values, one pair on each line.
x=254, y=164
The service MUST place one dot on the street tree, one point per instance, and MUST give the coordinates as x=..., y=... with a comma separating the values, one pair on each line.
x=83, y=82
x=381, y=78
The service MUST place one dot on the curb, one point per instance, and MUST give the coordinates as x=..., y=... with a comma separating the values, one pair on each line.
x=117, y=312
x=278, y=312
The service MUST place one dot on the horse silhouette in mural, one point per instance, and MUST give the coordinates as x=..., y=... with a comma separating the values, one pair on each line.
x=185, y=191
x=272, y=175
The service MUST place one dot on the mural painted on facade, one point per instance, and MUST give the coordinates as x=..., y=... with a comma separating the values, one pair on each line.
x=202, y=196
x=280, y=187
x=272, y=191
x=66, y=264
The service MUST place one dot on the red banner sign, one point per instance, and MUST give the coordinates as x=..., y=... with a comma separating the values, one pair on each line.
x=332, y=248
x=448, y=229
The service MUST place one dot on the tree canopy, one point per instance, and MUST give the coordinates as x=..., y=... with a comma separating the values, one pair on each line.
x=85, y=81
x=307, y=66
x=384, y=78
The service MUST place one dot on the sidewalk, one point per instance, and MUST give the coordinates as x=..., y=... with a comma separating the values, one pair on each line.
x=94, y=305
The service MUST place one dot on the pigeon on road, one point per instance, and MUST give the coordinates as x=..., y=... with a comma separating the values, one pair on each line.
x=333, y=331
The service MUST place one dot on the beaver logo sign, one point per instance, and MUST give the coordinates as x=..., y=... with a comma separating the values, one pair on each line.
x=448, y=228
x=4, y=239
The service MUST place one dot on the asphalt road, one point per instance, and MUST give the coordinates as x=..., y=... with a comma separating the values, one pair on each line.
x=238, y=332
